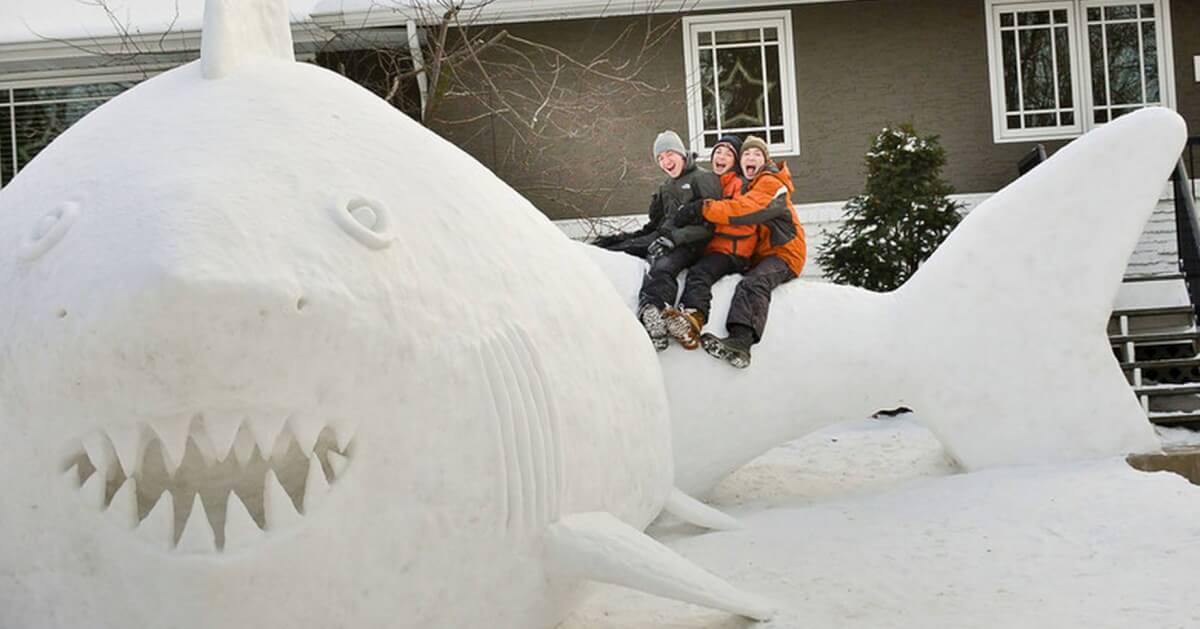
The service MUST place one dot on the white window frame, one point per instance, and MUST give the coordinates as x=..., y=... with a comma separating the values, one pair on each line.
x=781, y=20
x=1080, y=68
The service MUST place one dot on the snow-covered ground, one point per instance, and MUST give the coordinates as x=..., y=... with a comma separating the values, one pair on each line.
x=868, y=525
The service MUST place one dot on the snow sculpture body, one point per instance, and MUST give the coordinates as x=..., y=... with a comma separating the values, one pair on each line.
x=998, y=342
x=275, y=356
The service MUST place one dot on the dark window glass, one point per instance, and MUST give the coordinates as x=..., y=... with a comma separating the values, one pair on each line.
x=705, y=39
x=771, y=34
x=1120, y=12
x=1147, y=10
x=1039, y=120
x=1096, y=56
x=1124, y=64
x=1093, y=14
x=708, y=98
x=1066, y=119
x=1062, y=52
x=774, y=83
x=777, y=136
x=1012, y=101
x=6, y=147
x=1150, y=61
x=1100, y=116
x=743, y=36
x=1033, y=18
x=741, y=87
x=1006, y=19
x=1037, y=69
x=1060, y=16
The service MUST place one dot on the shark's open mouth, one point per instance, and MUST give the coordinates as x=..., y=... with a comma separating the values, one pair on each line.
x=211, y=482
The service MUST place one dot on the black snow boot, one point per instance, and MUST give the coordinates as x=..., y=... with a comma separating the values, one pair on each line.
x=656, y=327
x=734, y=349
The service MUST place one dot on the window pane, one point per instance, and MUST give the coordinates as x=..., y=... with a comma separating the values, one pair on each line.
x=1093, y=14
x=1124, y=63
x=1060, y=16
x=1150, y=57
x=1039, y=120
x=706, y=39
x=1066, y=119
x=708, y=99
x=1030, y=18
x=1118, y=112
x=6, y=152
x=1011, y=99
x=1014, y=122
x=775, y=82
x=771, y=34
x=710, y=140
x=1147, y=10
x=741, y=87
x=1037, y=70
x=91, y=90
x=1101, y=116
x=1006, y=19
x=1096, y=55
x=1122, y=12
x=1062, y=51
x=749, y=35
x=38, y=125
x=777, y=137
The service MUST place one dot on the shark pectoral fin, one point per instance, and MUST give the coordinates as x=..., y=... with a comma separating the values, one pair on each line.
x=693, y=511
x=599, y=547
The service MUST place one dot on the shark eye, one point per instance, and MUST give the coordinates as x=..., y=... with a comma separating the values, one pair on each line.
x=48, y=231
x=365, y=220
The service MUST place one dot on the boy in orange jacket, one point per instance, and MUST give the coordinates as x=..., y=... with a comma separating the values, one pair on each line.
x=779, y=256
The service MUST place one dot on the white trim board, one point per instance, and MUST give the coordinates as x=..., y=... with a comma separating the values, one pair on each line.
x=342, y=14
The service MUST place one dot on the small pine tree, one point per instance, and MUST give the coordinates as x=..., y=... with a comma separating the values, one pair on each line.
x=901, y=217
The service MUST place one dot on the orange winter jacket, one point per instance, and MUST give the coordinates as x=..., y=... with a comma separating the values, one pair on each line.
x=765, y=202
x=737, y=240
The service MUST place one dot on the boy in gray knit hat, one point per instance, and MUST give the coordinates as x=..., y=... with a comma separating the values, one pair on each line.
x=668, y=248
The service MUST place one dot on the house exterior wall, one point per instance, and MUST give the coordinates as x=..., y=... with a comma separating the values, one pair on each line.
x=859, y=67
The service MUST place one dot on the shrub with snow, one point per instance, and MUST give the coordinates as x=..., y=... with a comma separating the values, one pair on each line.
x=900, y=218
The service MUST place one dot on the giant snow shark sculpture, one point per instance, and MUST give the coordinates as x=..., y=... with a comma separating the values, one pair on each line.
x=276, y=356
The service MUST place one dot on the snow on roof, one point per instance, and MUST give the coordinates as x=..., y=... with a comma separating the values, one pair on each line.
x=41, y=20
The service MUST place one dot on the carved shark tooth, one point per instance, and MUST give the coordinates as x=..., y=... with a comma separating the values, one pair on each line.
x=198, y=536
x=93, y=490
x=241, y=530
x=159, y=526
x=306, y=429
x=265, y=430
x=173, y=435
x=204, y=446
x=222, y=431
x=277, y=505
x=337, y=463
x=129, y=445
x=344, y=429
x=100, y=453
x=315, y=485
x=124, y=509
x=71, y=477
x=283, y=443
x=69, y=453
x=243, y=445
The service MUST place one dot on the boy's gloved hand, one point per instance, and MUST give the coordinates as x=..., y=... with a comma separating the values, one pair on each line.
x=660, y=247
x=690, y=213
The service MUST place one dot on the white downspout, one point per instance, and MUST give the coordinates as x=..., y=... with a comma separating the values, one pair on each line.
x=418, y=60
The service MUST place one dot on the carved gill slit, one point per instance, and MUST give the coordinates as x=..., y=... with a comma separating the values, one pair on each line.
x=508, y=442
x=524, y=450
x=210, y=482
x=547, y=421
x=534, y=446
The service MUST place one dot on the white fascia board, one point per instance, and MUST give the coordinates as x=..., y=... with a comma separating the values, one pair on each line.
x=513, y=11
x=152, y=43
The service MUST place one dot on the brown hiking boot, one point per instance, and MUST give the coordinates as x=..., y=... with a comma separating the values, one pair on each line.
x=684, y=326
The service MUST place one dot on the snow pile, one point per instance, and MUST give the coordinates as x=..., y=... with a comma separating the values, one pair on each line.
x=878, y=535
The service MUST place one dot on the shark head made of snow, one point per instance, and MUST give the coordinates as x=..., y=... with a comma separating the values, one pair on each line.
x=277, y=356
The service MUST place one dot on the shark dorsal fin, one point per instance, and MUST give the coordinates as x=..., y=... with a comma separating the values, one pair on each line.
x=239, y=31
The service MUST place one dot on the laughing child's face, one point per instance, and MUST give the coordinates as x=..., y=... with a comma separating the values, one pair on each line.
x=671, y=163
x=723, y=160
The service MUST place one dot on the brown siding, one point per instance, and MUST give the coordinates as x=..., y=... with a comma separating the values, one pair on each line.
x=1185, y=23
x=859, y=67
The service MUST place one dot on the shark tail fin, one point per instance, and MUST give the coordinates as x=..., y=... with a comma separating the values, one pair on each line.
x=236, y=31
x=1008, y=318
x=599, y=547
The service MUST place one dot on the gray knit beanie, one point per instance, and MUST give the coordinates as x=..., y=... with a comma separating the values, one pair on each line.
x=669, y=141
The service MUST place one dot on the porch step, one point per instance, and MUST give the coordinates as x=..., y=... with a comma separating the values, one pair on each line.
x=1161, y=390
x=1155, y=337
x=1174, y=418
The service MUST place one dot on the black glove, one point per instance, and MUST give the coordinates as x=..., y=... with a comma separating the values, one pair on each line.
x=608, y=241
x=690, y=213
x=660, y=247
